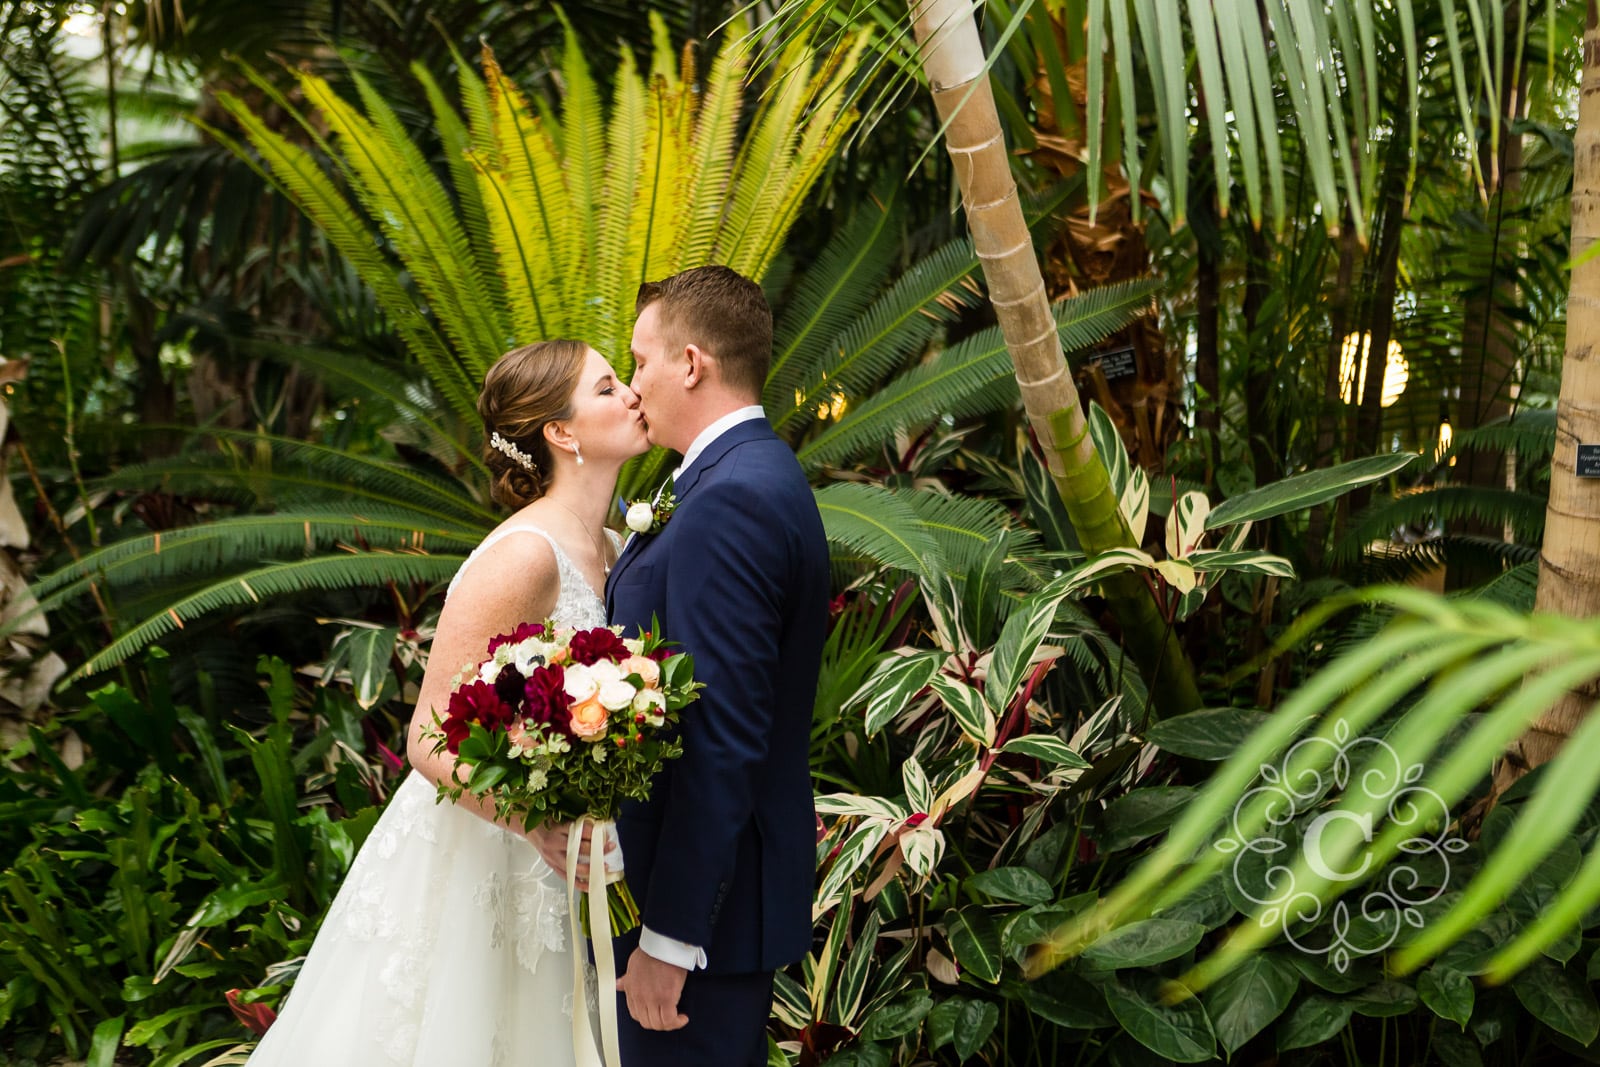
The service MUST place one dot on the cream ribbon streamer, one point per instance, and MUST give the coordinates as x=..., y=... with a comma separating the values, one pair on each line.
x=583, y=1046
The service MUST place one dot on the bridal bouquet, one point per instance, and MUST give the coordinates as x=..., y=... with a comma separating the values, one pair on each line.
x=559, y=725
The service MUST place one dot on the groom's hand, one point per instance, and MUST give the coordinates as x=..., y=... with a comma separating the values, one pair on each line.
x=653, y=988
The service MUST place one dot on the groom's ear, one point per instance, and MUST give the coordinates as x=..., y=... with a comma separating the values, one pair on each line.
x=695, y=366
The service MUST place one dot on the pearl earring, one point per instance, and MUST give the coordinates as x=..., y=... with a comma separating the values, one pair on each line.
x=577, y=453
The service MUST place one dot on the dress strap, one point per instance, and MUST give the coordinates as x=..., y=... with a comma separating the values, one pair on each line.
x=563, y=563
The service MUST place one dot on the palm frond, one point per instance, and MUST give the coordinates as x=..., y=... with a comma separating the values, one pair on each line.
x=218, y=546
x=896, y=328
x=297, y=175
x=1443, y=663
x=877, y=524
x=835, y=288
x=357, y=570
x=1444, y=504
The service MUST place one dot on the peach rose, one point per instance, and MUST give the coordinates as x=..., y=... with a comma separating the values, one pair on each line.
x=648, y=670
x=589, y=719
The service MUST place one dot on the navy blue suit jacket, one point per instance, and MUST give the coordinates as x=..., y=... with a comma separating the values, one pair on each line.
x=722, y=855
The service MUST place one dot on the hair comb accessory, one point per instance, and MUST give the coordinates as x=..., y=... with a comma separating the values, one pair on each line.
x=517, y=455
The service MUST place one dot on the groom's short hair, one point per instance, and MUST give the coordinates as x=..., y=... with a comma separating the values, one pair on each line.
x=722, y=312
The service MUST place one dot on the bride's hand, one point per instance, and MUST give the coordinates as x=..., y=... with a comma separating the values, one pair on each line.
x=551, y=841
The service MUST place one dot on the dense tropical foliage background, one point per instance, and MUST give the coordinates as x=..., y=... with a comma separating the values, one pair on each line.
x=1192, y=393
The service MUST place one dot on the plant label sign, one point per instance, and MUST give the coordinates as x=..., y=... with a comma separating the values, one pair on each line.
x=1116, y=363
x=1589, y=461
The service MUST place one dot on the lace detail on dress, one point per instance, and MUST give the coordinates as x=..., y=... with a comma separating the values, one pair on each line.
x=527, y=911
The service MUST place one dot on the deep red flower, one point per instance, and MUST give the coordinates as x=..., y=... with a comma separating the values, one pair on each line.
x=476, y=702
x=255, y=1017
x=547, y=701
x=591, y=646
x=521, y=633
x=508, y=683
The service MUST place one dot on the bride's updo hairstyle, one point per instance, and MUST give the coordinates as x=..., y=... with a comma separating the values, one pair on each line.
x=525, y=389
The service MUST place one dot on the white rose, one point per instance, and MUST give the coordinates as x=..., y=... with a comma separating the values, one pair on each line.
x=640, y=516
x=489, y=671
x=616, y=695
x=604, y=671
x=648, y=700
x=580, y=683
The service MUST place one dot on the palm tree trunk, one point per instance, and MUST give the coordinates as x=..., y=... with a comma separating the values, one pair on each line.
x=1569, y=563
x=952, y=56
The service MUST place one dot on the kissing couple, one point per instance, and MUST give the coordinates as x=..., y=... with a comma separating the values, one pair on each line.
x=447, y=942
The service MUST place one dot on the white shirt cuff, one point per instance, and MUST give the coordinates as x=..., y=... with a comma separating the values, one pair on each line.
x=678, y=953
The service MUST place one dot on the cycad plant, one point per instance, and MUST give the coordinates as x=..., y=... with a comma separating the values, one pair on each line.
x=551, y=218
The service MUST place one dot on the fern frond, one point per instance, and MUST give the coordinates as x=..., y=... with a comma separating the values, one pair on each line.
x=872, y=522
x=390, y=384
x=314, y=469
x=360, y=570
x=583, y=149
x=966, y=526
x=217, y=546
x=539, y=240
x=895, y=329
x=763, y=162
x=658, y=216
x=456, y=142
x=836, y=288
x=973, y=378
x=1531, y=434
x=297, y=175
x=826, y=127
x=1442, y=505
x=401, y=192
x=1095, y=314
x=613, y=296
x=711, y=164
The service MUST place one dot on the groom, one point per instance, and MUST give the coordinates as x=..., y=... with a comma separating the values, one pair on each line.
x=722, y=856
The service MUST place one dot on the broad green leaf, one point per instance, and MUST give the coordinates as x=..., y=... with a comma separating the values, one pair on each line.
x=1016, y=884
x=1180, y=1032
x=1144, y=944
x=1108, y=442
x=853, y=855
x=1141, y=814
x=1246, y=1000
x=1068, y=1000
x=919, y=795
x=1559, y=998
x=1311, y=1022
x=1047, y=747
x=967, y=705
x=1186, y=525
x=850, y=804
x=1208, y=734
x=853, y=976
x=893, y=684
x=973, y=1026
x=975, y=940
x=1305, y=490
x=1384, y=1000
x=899, y=1017
x=1448, y=993
x=103, y=1045
x=1212, y=562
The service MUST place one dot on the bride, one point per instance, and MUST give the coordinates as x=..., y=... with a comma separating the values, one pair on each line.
x=448, y=941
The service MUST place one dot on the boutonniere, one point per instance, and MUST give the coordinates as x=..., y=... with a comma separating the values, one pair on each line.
x=649, y=516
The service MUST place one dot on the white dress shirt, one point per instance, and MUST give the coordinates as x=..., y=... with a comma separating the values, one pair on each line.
x=666, y=949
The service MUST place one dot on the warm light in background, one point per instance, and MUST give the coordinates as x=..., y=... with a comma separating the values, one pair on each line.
x=1446, y=435
x=1353, y=370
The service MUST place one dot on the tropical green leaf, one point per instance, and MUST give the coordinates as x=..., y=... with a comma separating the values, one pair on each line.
x=1305, y=490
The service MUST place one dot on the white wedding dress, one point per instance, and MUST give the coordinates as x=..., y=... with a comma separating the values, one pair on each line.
x=448, y=942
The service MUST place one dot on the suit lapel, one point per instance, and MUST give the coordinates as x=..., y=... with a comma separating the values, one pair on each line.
x=751, y=430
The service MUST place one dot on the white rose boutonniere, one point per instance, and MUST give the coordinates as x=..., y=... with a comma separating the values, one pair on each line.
x=647, y=516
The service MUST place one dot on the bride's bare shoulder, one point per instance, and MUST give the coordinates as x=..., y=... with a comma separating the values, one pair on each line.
x=514, y=566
